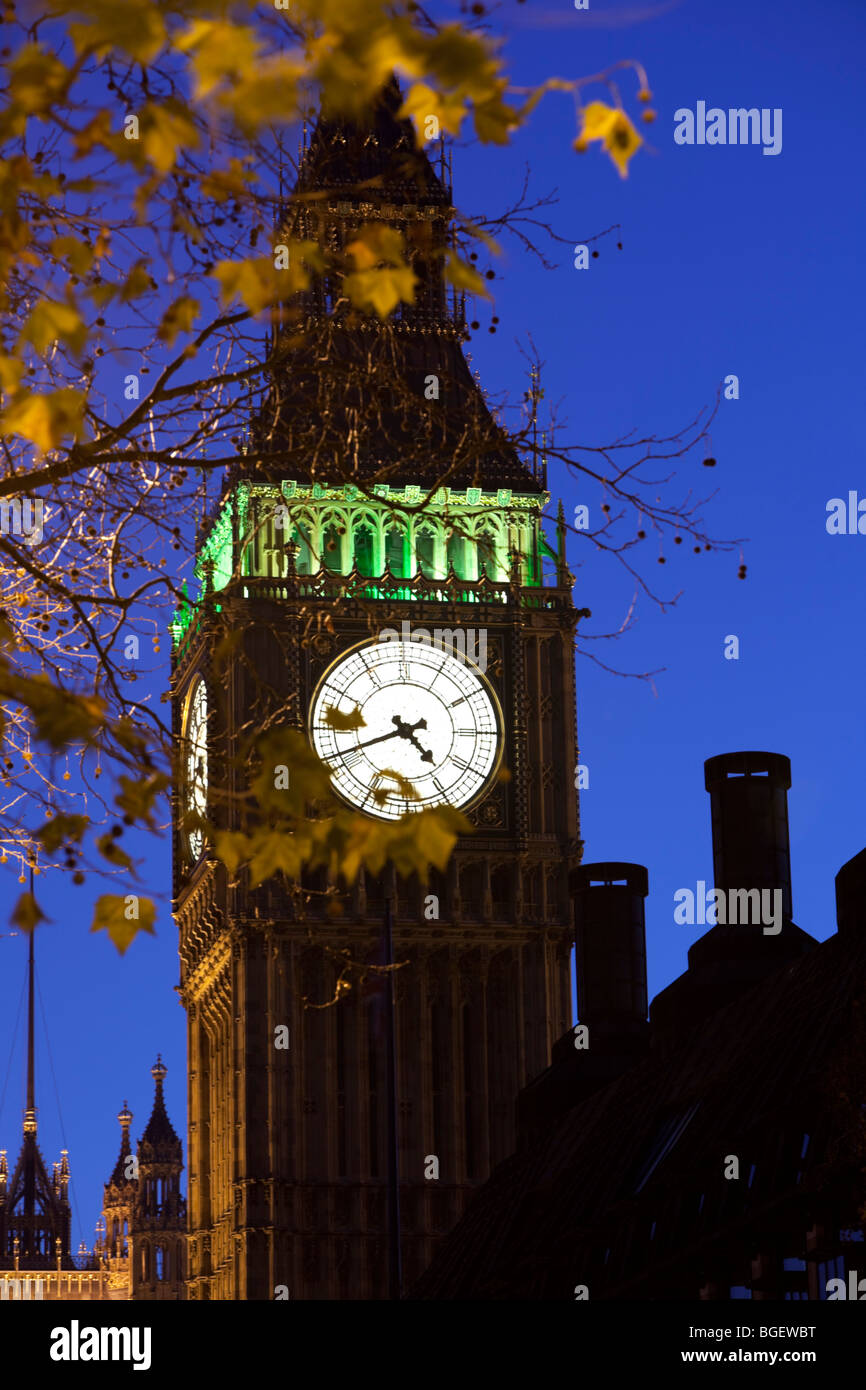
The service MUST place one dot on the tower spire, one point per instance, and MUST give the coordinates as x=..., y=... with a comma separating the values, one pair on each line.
x=35, y=1215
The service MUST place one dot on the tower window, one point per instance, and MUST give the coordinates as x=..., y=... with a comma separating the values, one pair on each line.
x=332, y=549
x=487, y=564
x=365, y=551
x=425, y=550
x=457, y=554
x=160, y=1262
x=396, y=553
x=303, y=552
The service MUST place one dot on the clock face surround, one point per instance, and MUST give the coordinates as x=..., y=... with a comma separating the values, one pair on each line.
x=196, y=781
x=429, y=715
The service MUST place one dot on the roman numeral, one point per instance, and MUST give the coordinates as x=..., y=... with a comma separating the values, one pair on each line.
x=470, y=732
x=457, y=702
x=372, y=673
x=458, y=762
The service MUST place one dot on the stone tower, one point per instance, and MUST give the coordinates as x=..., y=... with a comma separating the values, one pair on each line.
x=158, y=1257
x=322, y=563
x=118, y=1206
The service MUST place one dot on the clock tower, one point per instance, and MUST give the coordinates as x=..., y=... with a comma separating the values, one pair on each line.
x=379, y=553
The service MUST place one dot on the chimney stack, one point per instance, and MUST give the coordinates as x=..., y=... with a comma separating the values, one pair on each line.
x=751, y=859
x=611, y=996
x=611, y=948
x=749, y=809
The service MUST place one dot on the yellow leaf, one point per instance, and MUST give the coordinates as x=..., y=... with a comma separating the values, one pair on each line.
x=45, y=420
x=110, y=850
x=221, y=184
x=219, y=50
x=308, y=778
x=335, y=720
x=495, y=119
x=137, y=796
x=136, y=27
x=403, y=786
x=621, y=142
x=381, y=290
x=258, y=283
x=265, y=98
x=464, y=276
x=36, y=79
x=77, y=253
x=375, y=243
x=165, y=130
x=178, y=318
x=50, y=322
x=597, y=120
x=277, y=851
x=382, y=278
x=11, y=372
x=437, y=830
x=27, y=914
x=60, y=829
x=461, y=59
x=233, y=848
x=136, y=283
x=123, y=918
x=422, y=101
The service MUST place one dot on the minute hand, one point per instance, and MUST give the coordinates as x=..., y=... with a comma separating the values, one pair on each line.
x=380, y=739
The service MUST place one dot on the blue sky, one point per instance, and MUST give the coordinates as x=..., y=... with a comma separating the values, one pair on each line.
x=732, y=262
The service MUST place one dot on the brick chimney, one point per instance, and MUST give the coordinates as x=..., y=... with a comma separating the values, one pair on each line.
x=751, y=854
x=610, y=941
x=749, y=812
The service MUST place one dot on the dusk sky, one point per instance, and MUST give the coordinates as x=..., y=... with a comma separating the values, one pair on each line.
x=733, y=262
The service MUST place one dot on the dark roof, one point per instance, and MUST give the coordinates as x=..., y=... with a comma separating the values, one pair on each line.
x=625, y=1191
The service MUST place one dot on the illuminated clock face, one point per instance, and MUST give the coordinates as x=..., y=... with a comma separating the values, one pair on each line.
x=196, y=764
x=429, y=716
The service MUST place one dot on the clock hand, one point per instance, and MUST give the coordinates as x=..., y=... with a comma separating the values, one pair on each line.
x=403, y=730
x=426, y=755
x=380, y=739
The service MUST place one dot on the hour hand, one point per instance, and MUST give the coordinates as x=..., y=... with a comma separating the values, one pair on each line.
x=426, y=755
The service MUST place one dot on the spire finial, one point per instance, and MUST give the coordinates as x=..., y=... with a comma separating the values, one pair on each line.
x=125, y=1117
x=158, y=1070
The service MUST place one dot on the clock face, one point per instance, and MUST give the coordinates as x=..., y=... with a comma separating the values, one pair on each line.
x=429, y=716
x=195, y=789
